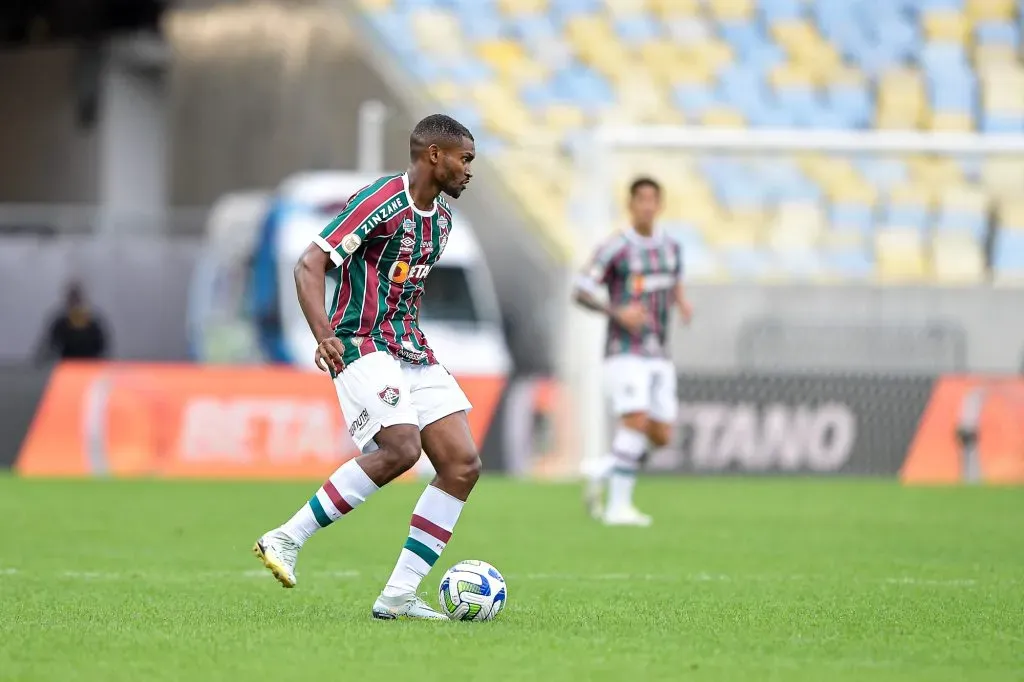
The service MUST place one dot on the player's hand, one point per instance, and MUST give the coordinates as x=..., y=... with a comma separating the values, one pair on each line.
x=685, y=311
x=329, y=354
x=632, y=317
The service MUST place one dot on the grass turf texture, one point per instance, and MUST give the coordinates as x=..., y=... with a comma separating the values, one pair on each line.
x=738, y=579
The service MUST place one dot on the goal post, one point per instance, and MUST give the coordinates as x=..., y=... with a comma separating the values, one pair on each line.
x=885, y=172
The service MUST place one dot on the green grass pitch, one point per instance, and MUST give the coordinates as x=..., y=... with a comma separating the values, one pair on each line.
x=747, y=580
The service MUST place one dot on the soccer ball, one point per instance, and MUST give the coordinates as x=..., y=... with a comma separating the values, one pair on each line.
x=472, y=590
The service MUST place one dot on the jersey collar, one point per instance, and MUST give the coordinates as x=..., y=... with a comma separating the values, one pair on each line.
x=635, y=236
x=408, y=197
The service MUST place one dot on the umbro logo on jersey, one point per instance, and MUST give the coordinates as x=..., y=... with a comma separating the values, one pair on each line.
x=390, y=395
x=407, y=243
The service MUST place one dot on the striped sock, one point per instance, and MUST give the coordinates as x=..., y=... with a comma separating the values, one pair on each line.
x=346, y=489
x=628, y=448
x=431, y=527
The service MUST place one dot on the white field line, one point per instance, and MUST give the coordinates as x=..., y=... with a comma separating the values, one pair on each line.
x=528, y=577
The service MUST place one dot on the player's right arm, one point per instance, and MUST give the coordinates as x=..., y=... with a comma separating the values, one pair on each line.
x=311, y=287
x=590, y=283
x=341, y=238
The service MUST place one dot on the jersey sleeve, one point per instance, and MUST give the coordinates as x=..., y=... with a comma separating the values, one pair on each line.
x=598, y=270
x=344, y=236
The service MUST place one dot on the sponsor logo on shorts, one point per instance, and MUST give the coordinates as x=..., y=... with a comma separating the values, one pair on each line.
x=350, y=243
x=359, y=423
x=390, y=395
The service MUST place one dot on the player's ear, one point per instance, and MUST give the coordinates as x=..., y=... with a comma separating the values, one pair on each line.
x=433, y=153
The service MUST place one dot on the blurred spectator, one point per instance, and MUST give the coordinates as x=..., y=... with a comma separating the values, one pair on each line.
x=76, y=331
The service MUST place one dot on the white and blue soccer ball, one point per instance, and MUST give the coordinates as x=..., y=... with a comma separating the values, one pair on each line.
x=472, y=590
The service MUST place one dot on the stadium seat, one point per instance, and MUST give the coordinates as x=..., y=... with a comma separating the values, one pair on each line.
x=547, y=69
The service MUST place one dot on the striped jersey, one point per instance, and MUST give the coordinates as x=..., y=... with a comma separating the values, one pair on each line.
x=383, y=248
x=637, y=269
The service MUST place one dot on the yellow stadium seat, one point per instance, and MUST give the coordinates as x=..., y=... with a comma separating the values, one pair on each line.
x=990, y=10
x=1003, y=75
x=625, y=7
x=731, y=10
x=670, y=8
x=723, y=117
x=899, y=254
x=1004, y=177
x=375, y=5
x=527, y=70
x=965, y=199
x=841, y=240
x=946, y=26
x=713, y=53
x=910, y=195
x=951, y=121
x=848, y=75
x=563, y=117
x=899, y=116
x=445, y=92
x=957, y=259
x=1002, y=100
x=796, y=225
x=500, y=54
x=731, y=232
x=692, y=73
x=788, y=75
x=987, y=57
x=1011, y=213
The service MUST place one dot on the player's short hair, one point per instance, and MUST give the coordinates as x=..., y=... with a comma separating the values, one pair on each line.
x=439, y=129
x=641, y=182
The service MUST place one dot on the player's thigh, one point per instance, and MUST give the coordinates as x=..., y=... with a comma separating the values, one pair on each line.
x=627, y=384
x=664, y=402
x=374, y=394
x=442, y=408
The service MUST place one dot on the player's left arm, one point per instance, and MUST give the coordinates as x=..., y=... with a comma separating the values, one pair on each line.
x=679, y=294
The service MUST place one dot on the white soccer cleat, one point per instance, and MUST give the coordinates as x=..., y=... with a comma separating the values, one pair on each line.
x=278, y=552
x=626, y=516
x=404, y=606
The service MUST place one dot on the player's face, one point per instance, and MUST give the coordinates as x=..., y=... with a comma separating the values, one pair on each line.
x=645, y=205
x=454, y=167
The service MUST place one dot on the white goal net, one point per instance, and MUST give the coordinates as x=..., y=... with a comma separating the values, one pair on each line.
x=813, y=207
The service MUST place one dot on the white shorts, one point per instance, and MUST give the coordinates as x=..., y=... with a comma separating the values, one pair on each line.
x=378, y=390
x=634, y=383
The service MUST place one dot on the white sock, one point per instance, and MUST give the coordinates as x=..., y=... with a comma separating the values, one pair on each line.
x=627, y=449
x=433, y=519
x=346, y=489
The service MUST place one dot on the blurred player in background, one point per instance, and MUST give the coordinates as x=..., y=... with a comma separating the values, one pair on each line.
x=396, y=398
x=641, y=270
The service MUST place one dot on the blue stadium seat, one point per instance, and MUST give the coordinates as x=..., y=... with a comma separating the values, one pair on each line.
x=1002, y=123
x=851, y=217
x=637, y=29
x=482, y=25
x=852, y=263
x=694, y=99
x=974, y=224
x=1008, y=252
x=997, y=33
x=882, y=172
x=906, y=215
x=745, y=37
x=780, y=10
x=854, y=103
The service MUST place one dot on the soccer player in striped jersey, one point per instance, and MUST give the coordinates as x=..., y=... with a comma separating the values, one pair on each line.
x=641, y=270
x=395, y=396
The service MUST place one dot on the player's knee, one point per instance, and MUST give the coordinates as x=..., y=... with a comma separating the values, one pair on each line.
x=402, y=454
x=462, y=468
x=636, y=421
x=659, y=434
